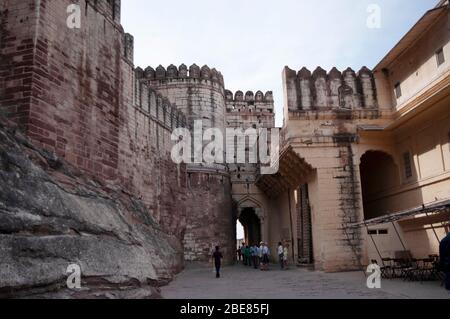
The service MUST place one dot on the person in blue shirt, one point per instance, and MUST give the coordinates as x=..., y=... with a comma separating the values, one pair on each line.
x=252, y=255
x=255, y=256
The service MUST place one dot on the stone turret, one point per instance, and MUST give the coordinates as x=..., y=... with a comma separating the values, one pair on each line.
x=199, y=93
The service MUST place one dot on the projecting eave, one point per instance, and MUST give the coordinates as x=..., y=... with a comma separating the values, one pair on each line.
x=413, y=35
x=293, y=171
x=438, y=207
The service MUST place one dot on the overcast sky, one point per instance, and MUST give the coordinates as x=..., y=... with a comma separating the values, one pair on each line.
x=250, y=41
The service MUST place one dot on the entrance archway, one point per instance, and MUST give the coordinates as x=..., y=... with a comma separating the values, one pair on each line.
x=252, y=226
x=378, y=173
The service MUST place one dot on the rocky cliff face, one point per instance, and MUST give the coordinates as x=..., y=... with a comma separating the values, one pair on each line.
x=52, y=216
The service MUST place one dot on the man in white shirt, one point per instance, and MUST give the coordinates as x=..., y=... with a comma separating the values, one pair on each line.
x=265, y=259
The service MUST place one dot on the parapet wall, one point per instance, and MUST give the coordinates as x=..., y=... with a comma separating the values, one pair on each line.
x=184, y=74
x=304, y=90
x=154, y=104
x=249, y=102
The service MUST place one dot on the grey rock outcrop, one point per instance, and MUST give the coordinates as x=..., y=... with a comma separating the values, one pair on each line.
x=51, y=216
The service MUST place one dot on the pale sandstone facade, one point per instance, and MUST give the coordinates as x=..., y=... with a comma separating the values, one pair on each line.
x=376, y=153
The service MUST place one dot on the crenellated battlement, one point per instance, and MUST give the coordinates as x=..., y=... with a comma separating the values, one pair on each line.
x=183, y=73
x=249, y=96
x=306, y=90
x=259, y=102
x=154, y=104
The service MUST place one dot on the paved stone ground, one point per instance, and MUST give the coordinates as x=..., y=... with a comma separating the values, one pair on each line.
x=238, y=282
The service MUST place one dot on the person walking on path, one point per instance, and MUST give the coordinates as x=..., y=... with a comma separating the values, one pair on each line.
x=217, y=258
x=444, y=252
x=281, y=255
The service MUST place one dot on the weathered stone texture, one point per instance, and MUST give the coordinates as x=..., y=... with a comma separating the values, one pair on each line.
x=327, y=140
x=210, y=219
x=52, y=216
x=321, y=90
x=252, y=111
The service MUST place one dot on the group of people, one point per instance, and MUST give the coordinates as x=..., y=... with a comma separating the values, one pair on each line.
x=258, y=256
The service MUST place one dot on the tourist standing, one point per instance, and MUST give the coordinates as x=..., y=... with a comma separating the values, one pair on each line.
x=281, y=255
x=217, y=258
x=247, y=256
x=444, y=252
x=285, y=255
x=239, y=254
x=260, y=254
x=265, y=258
x=252, y=255
x=255, y=256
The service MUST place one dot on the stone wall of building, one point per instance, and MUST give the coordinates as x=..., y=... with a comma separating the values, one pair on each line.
x=252, y=111
x=323, y=112
x=74, y=93
x=199, y=94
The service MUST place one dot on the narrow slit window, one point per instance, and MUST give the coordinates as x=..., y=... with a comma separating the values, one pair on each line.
x=440, y=57
x=398, y=90
x=408, y=165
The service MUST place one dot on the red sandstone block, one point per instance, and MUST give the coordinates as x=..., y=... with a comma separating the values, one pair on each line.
x=16, y=89
x=43, y=125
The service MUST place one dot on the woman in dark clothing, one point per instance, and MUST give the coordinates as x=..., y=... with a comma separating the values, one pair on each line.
x=217, y=257
x=444, y=251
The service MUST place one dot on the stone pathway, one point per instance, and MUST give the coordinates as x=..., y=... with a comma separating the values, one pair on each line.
x=238, y=282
